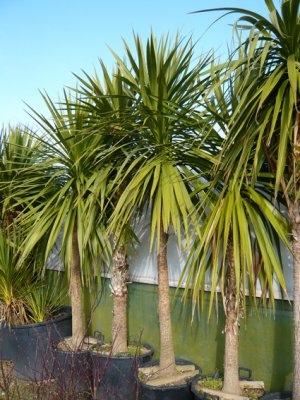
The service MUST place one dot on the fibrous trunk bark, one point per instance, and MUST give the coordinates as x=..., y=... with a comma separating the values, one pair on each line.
x=295, y=225
x=231, y=305
x=167, y=356
x=118, y=285
x=78, y=325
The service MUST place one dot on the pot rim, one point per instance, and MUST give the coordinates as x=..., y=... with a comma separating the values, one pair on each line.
x=67, y=315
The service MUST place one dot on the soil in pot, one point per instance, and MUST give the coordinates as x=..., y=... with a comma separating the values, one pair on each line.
x=154, y=387
x=72, y=371
x=115, y=376
x=207, y=387
x=31, y=345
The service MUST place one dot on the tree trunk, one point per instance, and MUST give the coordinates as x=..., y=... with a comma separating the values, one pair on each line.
x=295, y=225
x=78, y=326
x=167, y=356
x=231, y=307
x=118, y=285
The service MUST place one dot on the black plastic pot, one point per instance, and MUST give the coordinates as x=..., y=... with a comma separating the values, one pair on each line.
x=277, y=396
x=30, y=346
x=5, y=346
x=73, y=373
x=115, y=378
x=178, y=392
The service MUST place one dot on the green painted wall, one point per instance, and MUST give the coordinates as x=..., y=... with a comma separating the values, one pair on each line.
x=265, y=337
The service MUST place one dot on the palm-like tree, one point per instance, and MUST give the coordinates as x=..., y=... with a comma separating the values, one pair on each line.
x=234, y=212
x=114, y=101
x=69, y=200
x=166, y=87
x=19, y=152
x=266, y=123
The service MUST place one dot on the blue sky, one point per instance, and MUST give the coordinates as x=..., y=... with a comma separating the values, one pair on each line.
x=42, y=42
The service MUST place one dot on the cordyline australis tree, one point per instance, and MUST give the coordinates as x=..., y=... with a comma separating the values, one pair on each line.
x=234, y=213
x=70, y=200
x=166, y=87
x=114, y=101
x=269, y=110
x=19, y=151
